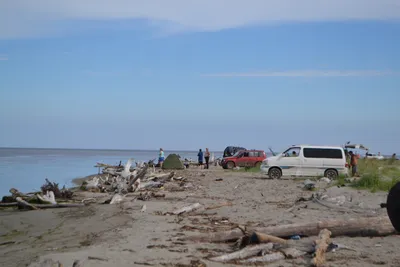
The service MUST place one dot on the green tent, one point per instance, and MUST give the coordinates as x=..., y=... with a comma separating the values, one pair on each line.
x=173, y=162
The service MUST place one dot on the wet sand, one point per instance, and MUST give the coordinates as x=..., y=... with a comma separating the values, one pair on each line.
x=122, y=235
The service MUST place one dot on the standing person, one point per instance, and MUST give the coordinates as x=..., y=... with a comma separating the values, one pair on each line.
x=161, y=157
x=353, y=163
x=200, y=157
x=207, y=157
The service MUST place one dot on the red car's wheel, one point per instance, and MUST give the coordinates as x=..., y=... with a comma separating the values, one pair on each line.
x=230, y=165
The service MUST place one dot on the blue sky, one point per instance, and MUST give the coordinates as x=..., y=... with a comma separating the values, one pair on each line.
x=130, y=75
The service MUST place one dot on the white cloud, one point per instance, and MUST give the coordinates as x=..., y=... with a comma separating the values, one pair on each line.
x=309, y=73
x=27, y=18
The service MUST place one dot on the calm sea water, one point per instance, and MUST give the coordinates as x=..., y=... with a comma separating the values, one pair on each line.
x=26, y=169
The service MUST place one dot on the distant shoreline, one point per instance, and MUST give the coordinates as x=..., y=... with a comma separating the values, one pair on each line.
x=102, y=149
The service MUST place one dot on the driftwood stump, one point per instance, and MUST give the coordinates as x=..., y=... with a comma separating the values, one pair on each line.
x=140, y=175
x=321, y=245
x=264, y=238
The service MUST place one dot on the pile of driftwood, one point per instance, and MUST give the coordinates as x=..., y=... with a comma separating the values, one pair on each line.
x=263, y=248
x=51, y=196
x=122, y=180
x=273, y=243
x=116, y=180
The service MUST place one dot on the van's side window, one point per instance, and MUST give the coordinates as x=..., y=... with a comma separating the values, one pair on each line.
x=326, y=153
x=292, y=152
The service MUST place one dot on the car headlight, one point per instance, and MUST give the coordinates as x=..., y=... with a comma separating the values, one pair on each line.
x=264, y=163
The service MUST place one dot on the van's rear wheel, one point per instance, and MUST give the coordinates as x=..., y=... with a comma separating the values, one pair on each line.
x=331, y=174
x=230, y=165
x=275, y=173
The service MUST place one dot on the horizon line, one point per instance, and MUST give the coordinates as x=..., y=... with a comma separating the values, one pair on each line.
x=110, y=149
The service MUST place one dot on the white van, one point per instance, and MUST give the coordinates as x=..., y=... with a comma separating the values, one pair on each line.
x=306, y=160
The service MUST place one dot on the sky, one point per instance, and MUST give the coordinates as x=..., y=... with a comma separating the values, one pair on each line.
x=185, y=75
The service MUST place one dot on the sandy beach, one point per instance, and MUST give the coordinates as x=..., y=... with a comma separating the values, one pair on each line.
x=124, y=235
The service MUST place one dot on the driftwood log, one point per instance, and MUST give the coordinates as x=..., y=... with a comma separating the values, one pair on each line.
x=27, y=197
x=286, y=253
x=264, y=238
x=25, y=204
x=15, y=193
x=9, y=204
x=258, y=238
x=223, y=236
x=190, y=208
x=275, y=256
x=244, y=253
x=163, y=177
x=371, y=226
x=268, y=252
x=60, y=205
x=321, y=245
x=117, y=198
x=219, y=206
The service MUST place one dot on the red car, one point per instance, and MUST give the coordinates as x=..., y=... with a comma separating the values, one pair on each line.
x=244, y=158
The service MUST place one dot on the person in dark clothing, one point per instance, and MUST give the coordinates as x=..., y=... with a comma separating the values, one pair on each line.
x=207, y=157
x=200, y=157
x=354, y=163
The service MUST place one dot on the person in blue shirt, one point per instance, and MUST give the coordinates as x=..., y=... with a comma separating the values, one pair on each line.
x=161, y=157
x=200, y=157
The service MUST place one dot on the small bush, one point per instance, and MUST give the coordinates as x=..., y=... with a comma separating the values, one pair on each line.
x=249, y=169
x=341, y=179
x=377, y=175
x=252, y=169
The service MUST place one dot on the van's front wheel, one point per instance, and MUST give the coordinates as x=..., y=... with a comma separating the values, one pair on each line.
x=331, y=174
x=275, y=173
